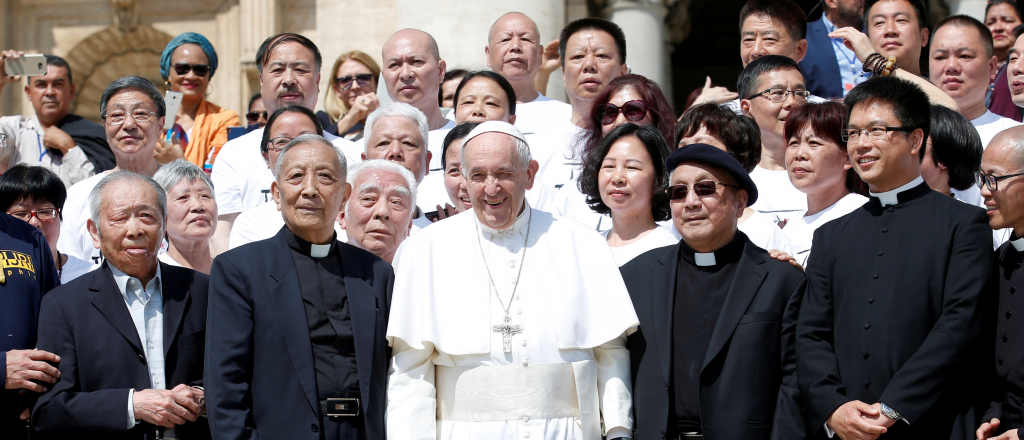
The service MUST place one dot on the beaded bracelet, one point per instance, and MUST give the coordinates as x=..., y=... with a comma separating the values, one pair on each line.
x=890, y=65
x=871, y=61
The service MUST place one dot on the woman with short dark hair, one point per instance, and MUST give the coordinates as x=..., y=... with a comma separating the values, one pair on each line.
x=36, y=195
x=624, y=177
x=952, y=155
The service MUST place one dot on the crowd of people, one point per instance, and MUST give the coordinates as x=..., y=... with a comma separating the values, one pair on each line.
x=831, y=249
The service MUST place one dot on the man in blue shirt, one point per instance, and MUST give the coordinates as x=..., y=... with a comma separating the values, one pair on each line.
x=832, y=69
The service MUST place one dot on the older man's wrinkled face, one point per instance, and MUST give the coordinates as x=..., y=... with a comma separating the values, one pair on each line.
x=378, y=216
x=132, y=138
x=399, y=140
x=412, y=73
x=706, y=222
x=514, y=48
x=592, y=60
x=290, y=77
x=51, y=94
x=496, y=178
x=131, y=227
x=310, y=190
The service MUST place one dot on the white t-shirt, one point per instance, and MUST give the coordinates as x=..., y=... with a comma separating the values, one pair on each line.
x=435, y=143
x=241, y=178
x=75, y=268
x=75, y=240
x=261, y=223
x=658, y=237
x=990, y=124
x=552, y=149
x=541, y=114
x=569, y=202
x=166, y=259
x=777, y=198
x=432, y=192
x=801, y=229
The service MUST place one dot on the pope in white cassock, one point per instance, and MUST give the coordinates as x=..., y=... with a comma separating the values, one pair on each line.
x=508, y=322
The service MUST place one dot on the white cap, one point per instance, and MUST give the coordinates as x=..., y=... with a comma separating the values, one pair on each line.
x=495, y=127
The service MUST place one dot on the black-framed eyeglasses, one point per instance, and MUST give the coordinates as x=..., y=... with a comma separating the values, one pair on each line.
x=44, y=215
x=140, y=115
x=634, y=111
x=991, y=180
x=252, y=117
x=199, y=69
x=704, y=188
x=874, y=132
x=779, y=94
x=278, y=143
x=345, y=82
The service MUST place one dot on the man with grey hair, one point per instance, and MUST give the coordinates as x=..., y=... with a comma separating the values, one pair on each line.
x=129, y=335
x=378, y=215
x=413, y=72
x=296, y=350
x=132, y=111
x=564, y=332
x=398, y=132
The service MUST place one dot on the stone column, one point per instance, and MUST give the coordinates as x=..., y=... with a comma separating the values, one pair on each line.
x=643, y=21
x=258, y=21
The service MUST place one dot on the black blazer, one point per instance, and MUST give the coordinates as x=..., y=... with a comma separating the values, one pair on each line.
x=820, y=67
x=748, y=386
x=260, y=379
x=87, y=324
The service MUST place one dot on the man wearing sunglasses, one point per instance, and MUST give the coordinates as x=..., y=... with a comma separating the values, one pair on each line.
x=1002, y=184
x=289, y=67
x=771, y=87
x=890, y=331
x=715, y=350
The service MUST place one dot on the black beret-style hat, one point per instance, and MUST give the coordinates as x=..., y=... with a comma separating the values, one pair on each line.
x=714, y=156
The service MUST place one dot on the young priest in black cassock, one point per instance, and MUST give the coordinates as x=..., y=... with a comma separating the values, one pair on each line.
x=714, y=355
x=896, y=290
x=1003, y=189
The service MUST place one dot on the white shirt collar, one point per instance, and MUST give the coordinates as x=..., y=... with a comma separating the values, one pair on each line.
x=520, y=223
x=1018, y=244
x=319, y=250
x=702, y=259
x=890, y=197
x=121, y=279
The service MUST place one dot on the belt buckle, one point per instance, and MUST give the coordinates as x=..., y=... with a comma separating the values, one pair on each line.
x=341, y=407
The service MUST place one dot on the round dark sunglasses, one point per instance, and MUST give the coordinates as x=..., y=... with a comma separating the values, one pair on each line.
x=704, y=188
x=199, y=69
x=255, y=116
x=633, y=110
x=345, y=82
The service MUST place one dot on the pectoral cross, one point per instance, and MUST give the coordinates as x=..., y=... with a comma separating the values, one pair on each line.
x=507, y=330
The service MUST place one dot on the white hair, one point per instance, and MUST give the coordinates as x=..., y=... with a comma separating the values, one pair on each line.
x=381, y=165
x=522, y=150
x=170, y=175
x=395, y=109
x=311, y=138
x=96, y=195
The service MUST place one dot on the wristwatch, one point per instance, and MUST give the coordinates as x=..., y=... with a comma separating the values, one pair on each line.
x=892, y=414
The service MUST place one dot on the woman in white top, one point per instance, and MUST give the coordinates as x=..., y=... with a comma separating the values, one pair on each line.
x=624, y=176
x=191, y=215
x=819, y=166
x=738, y=135
x=36, y=195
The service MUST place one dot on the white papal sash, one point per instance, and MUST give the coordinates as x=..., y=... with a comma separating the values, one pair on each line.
x=512, y=392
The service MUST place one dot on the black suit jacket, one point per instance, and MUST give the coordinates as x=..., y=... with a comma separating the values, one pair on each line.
x=1007, y=397
x=895, y=310
x=820, y=67
x=260, y=379
x=87, y=324
x=748, y=386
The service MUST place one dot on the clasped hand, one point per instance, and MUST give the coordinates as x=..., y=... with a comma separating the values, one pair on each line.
x=168, y=408
x=856, y=420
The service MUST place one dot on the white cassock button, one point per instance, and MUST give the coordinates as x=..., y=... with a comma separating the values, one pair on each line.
x=520, y=311
x=512, y=265
x=517, y=296
x=508, y=235
x=514, y=280
x=526, y=435
x=524, y=343
x=526, y=363
x=526, y=420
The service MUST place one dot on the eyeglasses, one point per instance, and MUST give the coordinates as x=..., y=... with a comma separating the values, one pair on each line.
x=255, y=116
x=875, y=132
x=634, y=111
x=44, y=215
x=345, y=82
x=139, y=115
x=199, y=69
x=778, y=94
x=991, y=180
x=704, y=188
x=3, y=140
x=278, y=143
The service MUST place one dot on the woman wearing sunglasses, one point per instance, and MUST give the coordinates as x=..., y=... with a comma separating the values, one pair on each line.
x=201, y=128
x=624, y=177
x=36, y=195
x=352, y=95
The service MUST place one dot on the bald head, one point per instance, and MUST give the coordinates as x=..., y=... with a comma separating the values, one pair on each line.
x=1008, y=145
x=414, y=37
x=510, y=17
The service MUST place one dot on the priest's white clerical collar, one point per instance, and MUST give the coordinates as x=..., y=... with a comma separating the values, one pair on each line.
x=892, y=197
x=1017, y=242
x=521, y=221
x=319, y=250
x=702, y=259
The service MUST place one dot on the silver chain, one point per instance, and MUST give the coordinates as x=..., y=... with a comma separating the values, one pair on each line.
x=521, y=261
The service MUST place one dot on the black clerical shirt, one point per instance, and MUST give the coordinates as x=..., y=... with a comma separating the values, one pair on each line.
x=1008, y=392
x=327, y=313
x=700, y=293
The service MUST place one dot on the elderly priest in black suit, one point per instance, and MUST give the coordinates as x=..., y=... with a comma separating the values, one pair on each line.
x=297, y=321
x=714, y=355
x=890, y=329
x=130, y=334
x=1002, y=184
